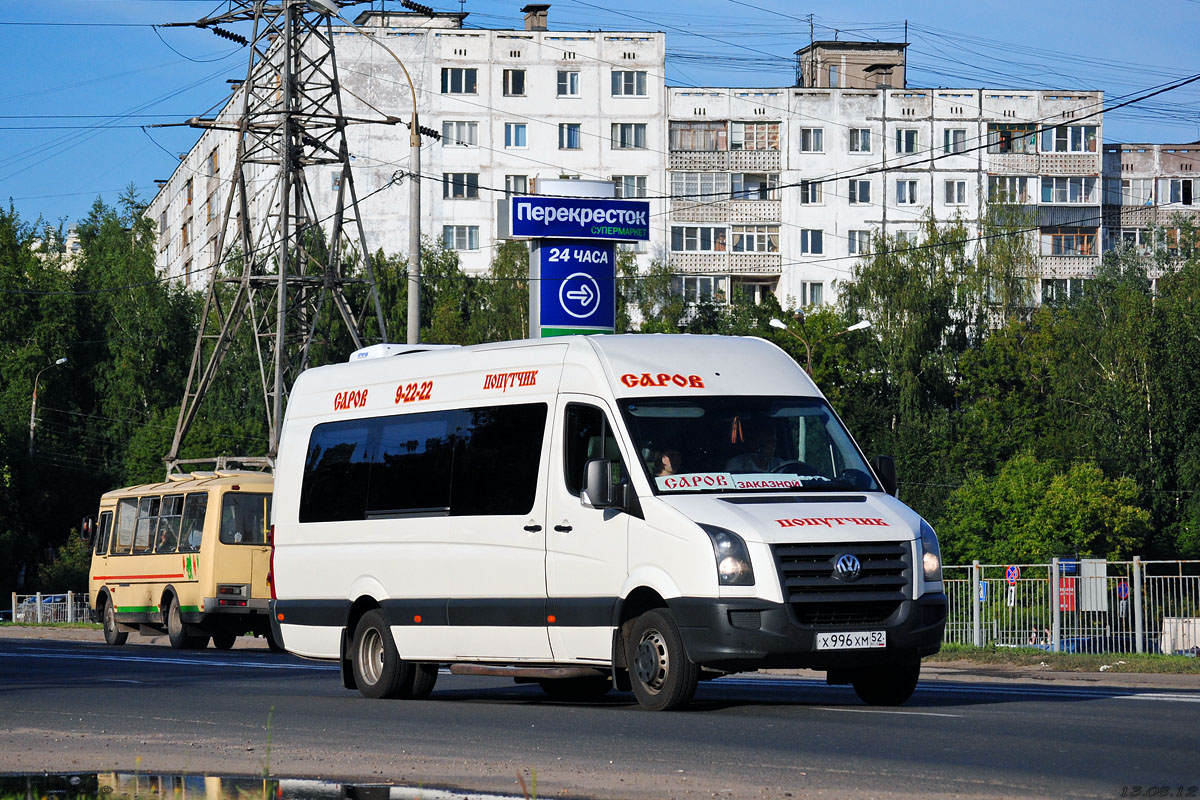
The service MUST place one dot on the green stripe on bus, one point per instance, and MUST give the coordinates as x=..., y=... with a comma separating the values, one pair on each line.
x=137, y=609
x=190, y=609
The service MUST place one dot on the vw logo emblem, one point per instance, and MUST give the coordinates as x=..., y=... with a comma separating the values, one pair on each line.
x=848, y=567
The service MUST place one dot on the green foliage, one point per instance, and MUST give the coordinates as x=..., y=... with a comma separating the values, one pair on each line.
x=68, y=572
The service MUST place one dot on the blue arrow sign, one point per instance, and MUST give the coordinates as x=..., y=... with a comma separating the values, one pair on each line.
x=577, y=285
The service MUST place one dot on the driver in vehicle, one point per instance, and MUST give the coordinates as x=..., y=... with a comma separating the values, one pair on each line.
x=761, y=457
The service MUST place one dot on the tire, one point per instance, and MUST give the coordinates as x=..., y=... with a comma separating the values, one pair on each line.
x=887, y=685
x=224, y=641
x=177, y=630
x=111, y=634
x=424, y=678
x=273, y=643
x=378, y=670
x=662, y=675
x=588, y=688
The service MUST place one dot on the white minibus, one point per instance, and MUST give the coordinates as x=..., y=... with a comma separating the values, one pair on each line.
x=633, y=511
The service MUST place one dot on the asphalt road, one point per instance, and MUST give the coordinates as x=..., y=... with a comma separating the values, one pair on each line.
x=70, y=706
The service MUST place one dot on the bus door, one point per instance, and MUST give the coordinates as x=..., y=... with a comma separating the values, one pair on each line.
x=246, y=557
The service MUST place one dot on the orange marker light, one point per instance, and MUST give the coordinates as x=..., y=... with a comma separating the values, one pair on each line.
x=552, y=619
x=279, y=617
x=417, y=619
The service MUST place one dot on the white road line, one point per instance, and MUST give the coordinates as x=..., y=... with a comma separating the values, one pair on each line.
x=883, y=711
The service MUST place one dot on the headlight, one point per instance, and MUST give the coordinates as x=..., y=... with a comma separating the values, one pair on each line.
x=733, y=560
x=931, y=554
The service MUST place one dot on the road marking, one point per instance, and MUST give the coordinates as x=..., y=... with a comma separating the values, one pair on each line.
x=1174, y=698
x=197, y=662
x=119, y=680
x=884, y=711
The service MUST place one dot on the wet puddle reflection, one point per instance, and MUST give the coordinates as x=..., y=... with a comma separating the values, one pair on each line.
x=148, y=786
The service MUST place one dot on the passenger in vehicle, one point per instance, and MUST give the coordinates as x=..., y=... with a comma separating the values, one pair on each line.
x=761, y=456
x=668, y=462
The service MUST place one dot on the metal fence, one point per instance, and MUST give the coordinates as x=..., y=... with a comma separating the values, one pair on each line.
x=44, y=607
x=1077, y=606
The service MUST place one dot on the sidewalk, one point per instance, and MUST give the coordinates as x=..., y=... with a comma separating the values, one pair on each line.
x=931, y=669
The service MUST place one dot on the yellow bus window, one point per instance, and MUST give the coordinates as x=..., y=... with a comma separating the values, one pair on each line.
x=147, y=524
x=169, y=518
x=126, y=523
x=244, y=518
x=192, y=529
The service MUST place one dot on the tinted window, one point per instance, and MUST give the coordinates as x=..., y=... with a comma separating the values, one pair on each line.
x=244, y=518
x=102, y=531
x=587, y=435
x=191, y=532
x=458, y=462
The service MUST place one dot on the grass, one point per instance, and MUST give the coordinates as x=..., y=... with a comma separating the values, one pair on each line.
x=1069, y=662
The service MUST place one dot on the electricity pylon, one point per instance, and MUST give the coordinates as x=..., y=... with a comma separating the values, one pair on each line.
x=291, y=262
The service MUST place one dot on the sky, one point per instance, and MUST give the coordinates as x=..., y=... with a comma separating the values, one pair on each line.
x=88, y=79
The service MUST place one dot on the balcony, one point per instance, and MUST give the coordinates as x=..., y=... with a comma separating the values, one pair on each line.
x=1069, y=266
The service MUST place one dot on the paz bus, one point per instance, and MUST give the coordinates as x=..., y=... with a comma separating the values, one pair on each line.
x=188, y=556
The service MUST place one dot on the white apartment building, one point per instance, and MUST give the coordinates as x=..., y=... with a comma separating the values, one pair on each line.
x=781, y=189
x=513, y=107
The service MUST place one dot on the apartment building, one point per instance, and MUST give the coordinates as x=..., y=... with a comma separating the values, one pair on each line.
x=1149, y=189
x=512, y=107
x=782, y=189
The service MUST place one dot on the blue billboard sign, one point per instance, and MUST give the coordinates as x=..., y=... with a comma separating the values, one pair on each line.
x=580, y=218
x=577, y=291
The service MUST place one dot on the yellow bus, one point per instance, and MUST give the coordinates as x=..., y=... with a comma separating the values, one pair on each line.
x=188, y=556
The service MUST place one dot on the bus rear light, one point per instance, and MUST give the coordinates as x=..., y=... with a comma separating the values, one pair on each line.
x=224, y=602
x=238, y=590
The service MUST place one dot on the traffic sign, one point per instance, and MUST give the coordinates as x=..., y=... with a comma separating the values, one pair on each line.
x=1012, y=575
x=983, y=591
x=1123, y=590
x=578, y=289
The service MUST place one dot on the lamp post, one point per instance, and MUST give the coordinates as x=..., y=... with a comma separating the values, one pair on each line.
x=33, y=404
x=330, y=8
x=809, y=345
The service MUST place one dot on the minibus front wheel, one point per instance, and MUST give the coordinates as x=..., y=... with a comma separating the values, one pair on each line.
x=111, y=634
x=662, y=675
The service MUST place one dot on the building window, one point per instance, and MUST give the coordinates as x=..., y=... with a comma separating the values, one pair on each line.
x=699, y=137
x=860, y=140
x=759, y=186
x=812, y=242
x=460, y=237
x=956, y=193
x=185, y=234
x=460, y=186
x=833, y=76
x=1179, y=190
x=514, y=83
x=629, y=136
x=907, y=140
x=1068, y=241
x=1070, y=191
x=754, y=136
x=812, y=140
x=214, y=166
x=187, y=190
x=628, y=83
x=954, y=140
x=1018, y=137
x=908, y=239
x=756, y=238
x=514, y=134
x=458, y=80
x=462, y=134
x=569, y=136
x=906, y=193
x=810, y=193
x=697, y=239
x=516, y=184
x=700, y=186
x=699, y=288
x=859, y=242
x=568, y=83
x=812, y=293
x=860, y=192
x=1069, y=139
x=630, y=185
x=1136, y=192
x=1009, y=189
x=162, y=223
x=1061, y=290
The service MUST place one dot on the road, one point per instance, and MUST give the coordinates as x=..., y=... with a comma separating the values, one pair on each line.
x=70, y=706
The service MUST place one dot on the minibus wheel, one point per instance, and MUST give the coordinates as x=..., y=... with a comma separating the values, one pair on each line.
x=378, y=670
x=224, y=641
x=662, y=675
x=111, y=634
x=887, y=685
x=424, y=677
x=177, y=631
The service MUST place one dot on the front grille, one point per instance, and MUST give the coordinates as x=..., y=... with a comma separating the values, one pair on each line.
x=817, y=597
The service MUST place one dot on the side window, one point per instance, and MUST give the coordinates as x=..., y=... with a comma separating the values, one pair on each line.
x=412, y=472
x=126, y=523
x=147, y=524
x=587, y=434
x=102, y=532
x=245, y=518
x=496, y=459
x=191, y=530
x=335, y=472
x=168, y=524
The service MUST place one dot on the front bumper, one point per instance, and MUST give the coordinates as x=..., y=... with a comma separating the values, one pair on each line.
x=734, y=635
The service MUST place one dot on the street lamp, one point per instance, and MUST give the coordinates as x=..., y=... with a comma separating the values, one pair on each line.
x=33, y=404
x=330, y=8
x=809, y=345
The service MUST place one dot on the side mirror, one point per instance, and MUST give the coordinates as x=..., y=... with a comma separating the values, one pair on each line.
x=885, y=469
x=87, y=529
x=597, y=489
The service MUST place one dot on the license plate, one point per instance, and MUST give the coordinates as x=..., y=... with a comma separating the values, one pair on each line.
x=855, y=640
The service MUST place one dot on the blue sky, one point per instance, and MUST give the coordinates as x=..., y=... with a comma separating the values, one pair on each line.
x=84, y=76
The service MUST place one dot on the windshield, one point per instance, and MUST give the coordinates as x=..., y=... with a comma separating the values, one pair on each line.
x=744, y=444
